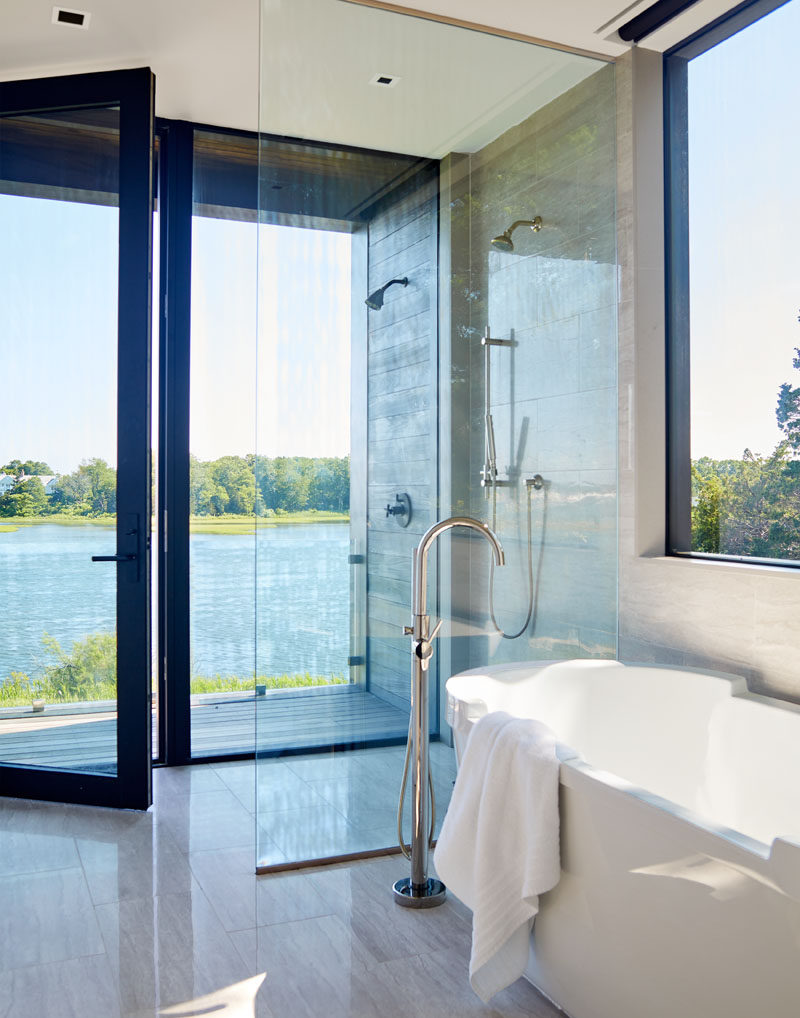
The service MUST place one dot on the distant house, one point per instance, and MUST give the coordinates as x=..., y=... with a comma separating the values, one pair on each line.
x=7, y=482
x=48, y=482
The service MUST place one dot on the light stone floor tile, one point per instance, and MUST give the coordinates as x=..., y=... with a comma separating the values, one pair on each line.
x=312, y=833
x=267, y=852
x=143, y=860
x=314, y=967
x=177, y=923
x=361, y=895
x=320, y=766
x=243, y=900
x=206, y=820
x=81, y=988
x=168, y=949
x=24, y=852
x=436, y=984
x=46, y=917
x=236, y=1001
x=283, y=898
x=185, y=780
x=280, y=791
x=239, y=778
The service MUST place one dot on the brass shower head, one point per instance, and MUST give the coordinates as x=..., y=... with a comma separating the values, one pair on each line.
x=504, y=242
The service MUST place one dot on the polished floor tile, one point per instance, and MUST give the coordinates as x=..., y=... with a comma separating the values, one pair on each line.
x=81, y=988
x=23, y=852
x=46, y=917
x=168, y=949
x=362, y=897
x=206, y=820
x=141, y=860
x=115, y=914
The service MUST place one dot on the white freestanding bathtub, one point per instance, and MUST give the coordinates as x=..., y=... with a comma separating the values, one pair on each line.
x=680, y=838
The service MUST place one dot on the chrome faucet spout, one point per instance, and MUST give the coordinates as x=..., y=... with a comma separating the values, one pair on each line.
x=420, y=591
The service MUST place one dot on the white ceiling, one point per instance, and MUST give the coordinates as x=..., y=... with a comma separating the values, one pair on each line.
x=204, y=52
x=457, y=87
x=589, y=25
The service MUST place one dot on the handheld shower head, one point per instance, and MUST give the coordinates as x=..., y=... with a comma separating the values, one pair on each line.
x=504, y=241
x=375, y=300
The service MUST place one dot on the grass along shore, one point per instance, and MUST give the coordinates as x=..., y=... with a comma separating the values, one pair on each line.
x=228, y=524
x=20, y=691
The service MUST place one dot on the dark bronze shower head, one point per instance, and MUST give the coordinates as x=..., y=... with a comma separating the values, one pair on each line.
x=375, y=300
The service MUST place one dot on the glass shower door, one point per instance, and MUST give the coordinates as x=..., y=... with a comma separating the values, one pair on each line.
x=433, y=270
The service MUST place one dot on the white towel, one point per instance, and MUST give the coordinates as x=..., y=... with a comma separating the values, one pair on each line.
x=499, y=845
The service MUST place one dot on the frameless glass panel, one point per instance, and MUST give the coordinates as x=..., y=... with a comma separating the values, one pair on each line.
x=222, y=445
x=744, y=333
x=436, y=428
x=58, y=440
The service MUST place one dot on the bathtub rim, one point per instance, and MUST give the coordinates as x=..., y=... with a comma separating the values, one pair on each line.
x=783, y=850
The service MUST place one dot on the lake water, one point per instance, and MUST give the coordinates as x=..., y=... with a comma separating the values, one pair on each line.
x=48, y=583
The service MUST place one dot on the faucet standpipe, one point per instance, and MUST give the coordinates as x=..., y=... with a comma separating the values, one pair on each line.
x=419, y=890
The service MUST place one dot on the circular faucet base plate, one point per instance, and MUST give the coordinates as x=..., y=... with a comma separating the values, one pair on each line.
x=434, y=894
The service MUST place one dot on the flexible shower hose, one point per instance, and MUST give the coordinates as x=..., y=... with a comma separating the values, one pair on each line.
x=404, y=848
x=531, y=600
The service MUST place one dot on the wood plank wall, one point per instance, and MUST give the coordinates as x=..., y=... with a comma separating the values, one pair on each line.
x=401, y=423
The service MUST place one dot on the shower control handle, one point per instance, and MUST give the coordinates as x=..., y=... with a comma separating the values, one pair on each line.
x=401, y=510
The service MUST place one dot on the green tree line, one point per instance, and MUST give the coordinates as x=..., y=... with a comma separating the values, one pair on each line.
x=240, y=485
x=751, y=506
x=285, y=484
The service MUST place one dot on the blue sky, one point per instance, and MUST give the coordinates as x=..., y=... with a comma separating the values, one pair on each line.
x=58, y=321
x=744, y=152
x=58, y=270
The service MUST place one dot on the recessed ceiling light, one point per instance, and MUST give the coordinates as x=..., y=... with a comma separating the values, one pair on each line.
x=384, y=80
x=73, y=18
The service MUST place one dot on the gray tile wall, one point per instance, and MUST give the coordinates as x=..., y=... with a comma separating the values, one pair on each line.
x=401, y=425
x=554, y=394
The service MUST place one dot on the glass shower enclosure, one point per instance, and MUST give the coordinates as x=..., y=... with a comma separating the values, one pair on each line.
x=437, y=283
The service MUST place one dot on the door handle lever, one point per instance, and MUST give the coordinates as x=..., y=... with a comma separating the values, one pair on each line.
x=114, y=558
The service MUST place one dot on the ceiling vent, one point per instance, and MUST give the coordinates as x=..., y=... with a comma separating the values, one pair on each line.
x=67, y=16
x=384, y=80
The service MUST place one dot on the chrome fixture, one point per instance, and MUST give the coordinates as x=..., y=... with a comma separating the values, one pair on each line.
x=489, y=477
x=504, y=242
x=418, y=890
x=490, y=482
x=375, y=300
x=535, y=483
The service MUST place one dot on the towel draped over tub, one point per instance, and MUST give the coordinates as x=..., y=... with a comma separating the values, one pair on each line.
x=499, y=845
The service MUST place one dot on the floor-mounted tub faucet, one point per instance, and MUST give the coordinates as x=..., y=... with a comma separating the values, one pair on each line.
x=418, y=890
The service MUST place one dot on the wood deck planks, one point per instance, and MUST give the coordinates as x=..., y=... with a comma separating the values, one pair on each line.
x=298, y=719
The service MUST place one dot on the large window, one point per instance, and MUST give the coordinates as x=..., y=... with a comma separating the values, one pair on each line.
x=734, y=287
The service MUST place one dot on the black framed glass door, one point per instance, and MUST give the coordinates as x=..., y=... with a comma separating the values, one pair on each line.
x=75, y=473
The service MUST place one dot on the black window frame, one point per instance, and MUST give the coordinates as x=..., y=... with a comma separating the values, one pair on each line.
x=677, y=270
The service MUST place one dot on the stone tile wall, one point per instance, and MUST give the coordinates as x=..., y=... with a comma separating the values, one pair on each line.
x=554, y=394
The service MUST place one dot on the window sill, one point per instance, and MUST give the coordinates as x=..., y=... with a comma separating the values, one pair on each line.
x=719, y=565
